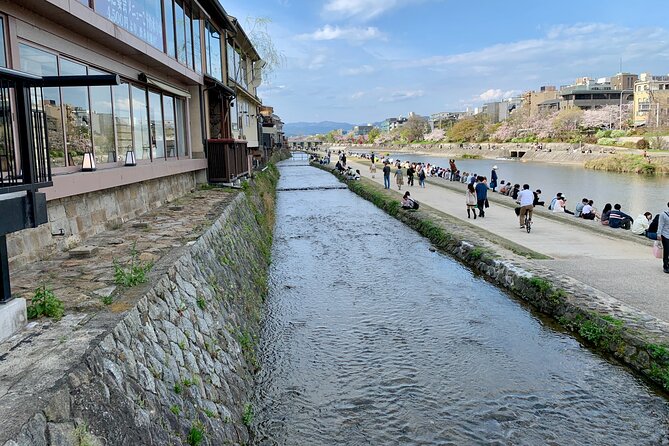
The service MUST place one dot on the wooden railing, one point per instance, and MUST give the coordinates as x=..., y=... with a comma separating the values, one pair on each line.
x=227, y=160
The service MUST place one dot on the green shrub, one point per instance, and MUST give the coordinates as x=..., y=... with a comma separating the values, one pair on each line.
x=606, y=141
x=196, y=434
x=618, y=133
x=247, y=416
x=45, y=303
x=603, y=134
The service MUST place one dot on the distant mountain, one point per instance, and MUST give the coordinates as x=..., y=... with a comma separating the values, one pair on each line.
x=314, y=128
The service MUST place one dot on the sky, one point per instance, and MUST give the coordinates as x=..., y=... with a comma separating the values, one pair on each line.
x=362, y=61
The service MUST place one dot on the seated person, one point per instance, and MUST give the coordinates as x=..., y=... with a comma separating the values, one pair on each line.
x=537, y=200
x=604, y=219
x=588, y=212
x=619, y=219
x=642, y=223
x=339, y=167
x=579, y=207
x=560, y=206
x=651, y=232
x=408, y=202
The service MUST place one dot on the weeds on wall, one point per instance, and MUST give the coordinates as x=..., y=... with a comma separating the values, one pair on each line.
x=133, y=272
x=45, y=303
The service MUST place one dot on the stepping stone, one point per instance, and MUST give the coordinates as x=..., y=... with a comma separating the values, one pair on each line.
x=83, y=252
x=140, y=225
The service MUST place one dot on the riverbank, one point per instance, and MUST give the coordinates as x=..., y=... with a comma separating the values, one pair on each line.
x=601, y=320
x=157, y=341
x=591, y=156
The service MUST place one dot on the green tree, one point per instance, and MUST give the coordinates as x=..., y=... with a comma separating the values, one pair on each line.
x=373, y=134
x=470, y=129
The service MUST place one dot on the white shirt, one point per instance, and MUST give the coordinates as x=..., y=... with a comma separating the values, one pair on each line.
x=587, y=209
x=526, y=197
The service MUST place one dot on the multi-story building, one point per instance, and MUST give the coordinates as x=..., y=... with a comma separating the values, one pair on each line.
x=651, y=100
x=391, y=124
x=624, y=81
x=499, y=111
x=587, y=93
x=444, y=119
x=532, y=99
x=188, y=87
x=272, y=130
x=361, y=130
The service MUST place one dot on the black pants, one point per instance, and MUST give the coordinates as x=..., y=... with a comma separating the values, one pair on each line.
x=665, y=253
x=480, y=204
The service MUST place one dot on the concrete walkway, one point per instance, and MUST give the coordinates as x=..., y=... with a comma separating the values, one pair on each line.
x=626, y=270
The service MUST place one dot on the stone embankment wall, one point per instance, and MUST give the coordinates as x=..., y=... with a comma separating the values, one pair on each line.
x=178, y=367
x=559, y=152
x=83, y=216
x=636, y=339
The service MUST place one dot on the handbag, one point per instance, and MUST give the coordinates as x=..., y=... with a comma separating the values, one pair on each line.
x=486, y=203
x=657, y=249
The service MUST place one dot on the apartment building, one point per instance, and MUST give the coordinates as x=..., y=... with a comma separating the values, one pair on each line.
x=651, y=100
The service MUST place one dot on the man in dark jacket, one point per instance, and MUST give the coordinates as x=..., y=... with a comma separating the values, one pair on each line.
x=481, y=195
x=619, y=219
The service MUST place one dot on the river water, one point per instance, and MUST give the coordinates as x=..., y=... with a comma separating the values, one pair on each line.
x=636, y=193
x=372, y=339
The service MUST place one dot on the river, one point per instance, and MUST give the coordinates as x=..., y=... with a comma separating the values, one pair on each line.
x=636, y=193
x=370, y=338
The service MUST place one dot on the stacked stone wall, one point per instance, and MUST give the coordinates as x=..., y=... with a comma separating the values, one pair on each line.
x=178, y=368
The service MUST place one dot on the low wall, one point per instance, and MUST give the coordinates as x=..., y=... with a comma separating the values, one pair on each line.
x=177, y=367
x=82, y=216
x=635, y=338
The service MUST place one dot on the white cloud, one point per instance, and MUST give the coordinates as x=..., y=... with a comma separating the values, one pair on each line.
x=360, y=9
x=329, y=32
x=496, y=95
x=357, y=95
x=402, y=96
x=356, y=71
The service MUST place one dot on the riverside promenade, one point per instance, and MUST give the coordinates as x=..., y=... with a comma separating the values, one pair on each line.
x=621, y=267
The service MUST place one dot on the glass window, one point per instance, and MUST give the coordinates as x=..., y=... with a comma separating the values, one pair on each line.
x=213, y=47
x=182, y=149
x=170, y=131
x=140, y=121
x=157, y=136
x=143, y=18
x=122, y=118
x=189, y=40
x=76, y=114
x=169, y=27
x=180, y=19
x=102, y=122
x=197, y=44
x=42, y=63
x=3, y=57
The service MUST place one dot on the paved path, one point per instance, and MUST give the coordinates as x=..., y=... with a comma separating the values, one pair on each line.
x=624, y=269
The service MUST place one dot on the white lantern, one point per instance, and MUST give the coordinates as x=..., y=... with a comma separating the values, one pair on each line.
x=88, y=164
x=130, y=159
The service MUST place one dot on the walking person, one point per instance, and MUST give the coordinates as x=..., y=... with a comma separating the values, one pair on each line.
x=386, y=175
x=470, y=200
x=493, y=178
x=526, y=201
x=372, y=167
x=410, y=172
x=399, y=177
x=663, y=236
x=481, y=196
x=421, y=178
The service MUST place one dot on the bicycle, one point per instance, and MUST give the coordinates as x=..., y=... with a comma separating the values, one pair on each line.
x=528, y=221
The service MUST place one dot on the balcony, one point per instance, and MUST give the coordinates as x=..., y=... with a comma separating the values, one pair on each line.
x=227, y=160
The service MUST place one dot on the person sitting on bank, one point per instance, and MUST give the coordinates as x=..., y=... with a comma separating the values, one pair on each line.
x=560, y=206
x=537, y=198
x=555, y=198
x=604, y=219
x=579, y=207
x=588, y=211
x=619, y=219
x=651, y=233
x=642, y=223
x=408, y=202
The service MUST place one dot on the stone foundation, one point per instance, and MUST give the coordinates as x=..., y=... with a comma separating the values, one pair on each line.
x=82, y=216
x=177, y=366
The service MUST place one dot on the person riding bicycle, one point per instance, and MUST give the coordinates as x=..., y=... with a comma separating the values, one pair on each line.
x=526, y=201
